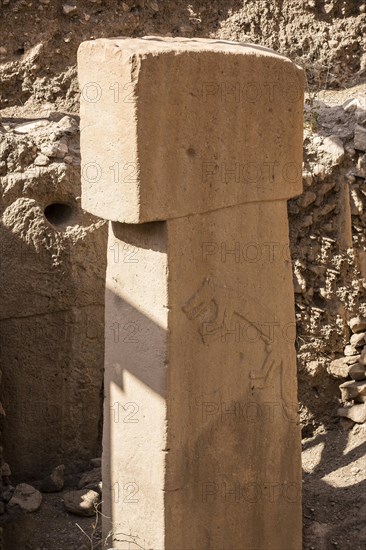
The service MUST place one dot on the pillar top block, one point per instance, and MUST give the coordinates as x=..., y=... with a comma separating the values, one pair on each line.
x=172, y=127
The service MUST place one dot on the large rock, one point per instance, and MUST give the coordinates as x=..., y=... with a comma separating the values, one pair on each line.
x=350, y=350
x=357, y=371
x=81, y=502
x=55, y=481
x=362, y=359
x=358, y=324
x=352, y=389
x=26, y=497
x=356, y=413
x=333, y=146
x=358, y=340
x=360, y=137
x=339, y=368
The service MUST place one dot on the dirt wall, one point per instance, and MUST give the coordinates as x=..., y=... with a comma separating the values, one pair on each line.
x=52, y=295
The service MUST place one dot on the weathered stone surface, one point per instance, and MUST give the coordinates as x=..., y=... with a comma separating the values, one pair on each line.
x=201, y=341
x=182, y=172
x=92, y=477
x=339, y=368
x=346, y=423
x=352, y=359
x=350, y=350
x=5, y=470
x=357, y=371
x=356, y=413
x=81, y=502
x=358, y=324
x=352, y=389
x=358, y=339
x=207, y=313
x=55, y=481
x=362, y=359
x=360, y=137
x=7, y=492
x=96, y=462
x=26, y=497
x=333, y=146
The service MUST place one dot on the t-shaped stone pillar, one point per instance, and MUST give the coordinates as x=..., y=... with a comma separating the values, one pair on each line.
x=191, y=148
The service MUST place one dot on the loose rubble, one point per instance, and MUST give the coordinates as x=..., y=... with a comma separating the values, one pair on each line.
x=55, y=481
x=26, y=497
x=353, y=392
x=328, y=249
x=81, y=502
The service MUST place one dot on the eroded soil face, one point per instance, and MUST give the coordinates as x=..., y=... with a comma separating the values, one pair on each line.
x=38, y=45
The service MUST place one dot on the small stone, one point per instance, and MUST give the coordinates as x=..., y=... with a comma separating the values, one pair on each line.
x=81, y=502
x=333, y=146
x=62, y=149
x=68, y=124
x=356, y=413
x=5, y=470
x=154, y=6
x=357, y=371
x=361, y=166
x=96, y=462
x=346, y=423
x=41, y=160
x=49, y=149
x=328, y=8
x=7, y=493
x=29, y=126
x=358, y=324
x=92, y=477
x=351, y=104
x=358, y=340
x=3, y=51
x=360, y=399
x=55, y=481
x=352, y=359
x=339, y=368
x=69, y=10
x=306, y=199
x=360, y=138
x=26, y=497
x=350, y=350
x=362, y=359
x=351, y=389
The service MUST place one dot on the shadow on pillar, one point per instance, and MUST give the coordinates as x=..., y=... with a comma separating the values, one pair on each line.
x=199, y=472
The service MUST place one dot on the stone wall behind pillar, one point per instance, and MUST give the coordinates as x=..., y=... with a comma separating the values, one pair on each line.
x=328, y=245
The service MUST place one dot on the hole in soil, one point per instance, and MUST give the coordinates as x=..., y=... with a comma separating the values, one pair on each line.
x=58, y=213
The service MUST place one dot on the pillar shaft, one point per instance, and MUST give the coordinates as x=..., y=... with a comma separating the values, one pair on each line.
x=201, y=439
